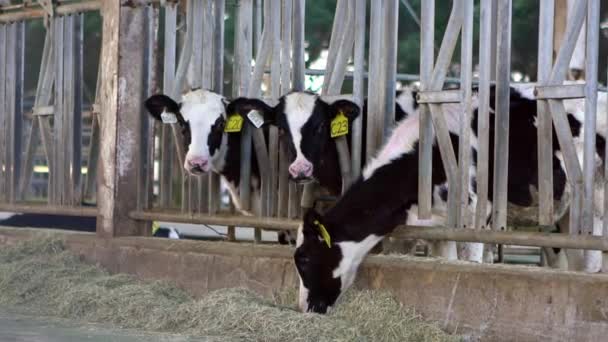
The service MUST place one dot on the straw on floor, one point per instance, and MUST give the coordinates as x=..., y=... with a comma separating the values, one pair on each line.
x=44, y=278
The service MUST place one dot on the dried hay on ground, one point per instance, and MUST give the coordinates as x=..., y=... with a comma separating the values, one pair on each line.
x=42, y=277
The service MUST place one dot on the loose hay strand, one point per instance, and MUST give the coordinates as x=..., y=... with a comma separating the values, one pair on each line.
x=42, y=277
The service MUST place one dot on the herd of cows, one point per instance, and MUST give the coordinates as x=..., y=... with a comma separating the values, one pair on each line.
x=330, y=246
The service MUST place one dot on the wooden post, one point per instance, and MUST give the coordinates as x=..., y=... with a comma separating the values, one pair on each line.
x=121, y=89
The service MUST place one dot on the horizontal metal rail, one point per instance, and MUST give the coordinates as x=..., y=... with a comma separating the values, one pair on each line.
x=536, y=239
x=34, y=208
x=218, y=219
x=26, y=13
x=520, y=238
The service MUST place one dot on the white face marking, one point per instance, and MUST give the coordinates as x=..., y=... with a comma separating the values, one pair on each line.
x=201, y=109
x=352, y=256
x=298, y=109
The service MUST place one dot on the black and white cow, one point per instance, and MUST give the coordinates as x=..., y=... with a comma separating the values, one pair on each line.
x=202, y=116
x=305, y=119
x=331, y=247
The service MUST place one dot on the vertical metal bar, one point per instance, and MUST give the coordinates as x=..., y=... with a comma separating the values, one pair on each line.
x=336, y=33
x=483, y=122
x=166, y=142
x=374, y=89
x=298, y=85
x=501, y=145
x=575, y=22
x=450, y=39
x=425, y=159
x=217, y=84
x=298, y=44
x=257, y=25
x=243, y=35
x=545, y=125
x=33, y=138
x=58, y=119
x=3, y=110
x=390, y=64
x=76, y=157
x=68, y=106
x=16, y=110
x=344, y=45
x=218, y=46
x=146, y=163
x=284, y=39
x=593, y=259
x=358, y=86
x=464, y=145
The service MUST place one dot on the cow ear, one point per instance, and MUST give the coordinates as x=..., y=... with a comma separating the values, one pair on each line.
x=157, y=104
x=348, y=108
x=243, y=106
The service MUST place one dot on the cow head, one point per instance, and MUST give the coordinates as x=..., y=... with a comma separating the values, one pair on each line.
x=304, y=120
x=202, y=117
x=317, y=260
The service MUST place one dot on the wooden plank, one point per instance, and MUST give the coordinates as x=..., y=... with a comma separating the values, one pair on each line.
x=123, y=69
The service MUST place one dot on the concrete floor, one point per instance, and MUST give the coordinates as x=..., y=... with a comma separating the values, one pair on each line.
x=22, y=328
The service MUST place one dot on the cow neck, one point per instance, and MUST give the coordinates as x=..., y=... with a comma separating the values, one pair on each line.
x=376, y=205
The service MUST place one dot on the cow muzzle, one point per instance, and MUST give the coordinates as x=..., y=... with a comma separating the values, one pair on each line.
x=301, y=171
x=197, y=165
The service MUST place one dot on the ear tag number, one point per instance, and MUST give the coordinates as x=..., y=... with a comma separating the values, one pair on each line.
x=324, y=233
x=168, y=118
x=339, y=125
x=234, y=123
x=256, y=118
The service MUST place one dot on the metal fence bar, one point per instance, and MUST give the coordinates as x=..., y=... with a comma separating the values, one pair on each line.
x=145, y=167
x=45, y=79
x=358, y=86
x=374, y=86
x=390, y=63
x=14, y=65
x=425, y=159
x=593, y=259
x=501, y=141
x=243, y=53
x=545, y=125
x=3, y=112
x=166, y=142
x=279, y=181
x=450, y=38
x=282, y=208
x=336, y=31
x=483, y=113
x=56, y=174
x=298, y=64
x=575, y=22
x=298, y=72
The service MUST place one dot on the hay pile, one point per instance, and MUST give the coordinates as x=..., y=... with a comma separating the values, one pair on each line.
x=43, y=278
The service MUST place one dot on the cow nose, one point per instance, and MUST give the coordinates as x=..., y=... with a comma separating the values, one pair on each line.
x=197, y=162
x=300, y=169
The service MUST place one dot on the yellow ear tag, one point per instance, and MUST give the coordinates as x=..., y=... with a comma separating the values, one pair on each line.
x=339, y=125
x=155, y=227
x=234, y=124
x=324, y=233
